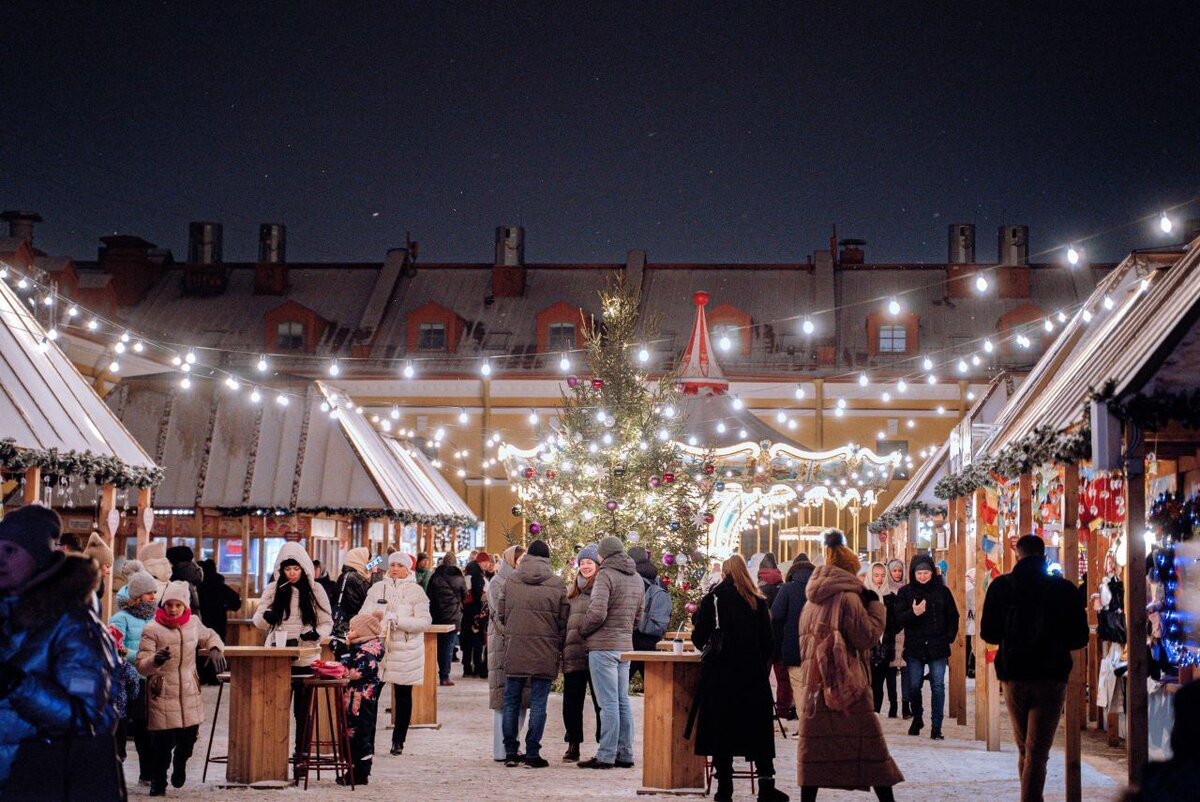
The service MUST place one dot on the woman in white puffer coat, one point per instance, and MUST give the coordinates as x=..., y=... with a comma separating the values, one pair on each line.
x=405, y=609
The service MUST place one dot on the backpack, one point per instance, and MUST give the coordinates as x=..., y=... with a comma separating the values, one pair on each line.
x=833, y=666
x=656, y=611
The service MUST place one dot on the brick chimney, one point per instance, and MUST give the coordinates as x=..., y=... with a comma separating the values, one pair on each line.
x=20, y=224
x=508, y=271
x=127, y=259
x=271, y=272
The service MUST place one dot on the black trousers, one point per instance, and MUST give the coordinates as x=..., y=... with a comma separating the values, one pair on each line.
x=402, y=702
x=301, y=698
x=575, y=688
x=879, y=675
x=723, y=766
x=83, y=769
x=472, y=643
x=171, y=748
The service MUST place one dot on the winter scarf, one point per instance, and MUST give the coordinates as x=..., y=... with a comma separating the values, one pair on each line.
x=142, y=610
x=161, y=617
x=868, y=581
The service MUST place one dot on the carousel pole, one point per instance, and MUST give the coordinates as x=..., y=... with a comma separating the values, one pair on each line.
x=1075, y=702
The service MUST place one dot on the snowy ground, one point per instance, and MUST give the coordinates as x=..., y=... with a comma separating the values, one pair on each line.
x=455, y=763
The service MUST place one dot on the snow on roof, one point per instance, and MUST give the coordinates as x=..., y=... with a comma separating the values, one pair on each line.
x=45, y=402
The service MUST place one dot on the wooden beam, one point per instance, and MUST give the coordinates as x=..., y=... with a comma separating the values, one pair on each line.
x=108, y=504
x=144, y=504
x=33, y=486
x=1074, y=716
x=1137, y=742
x=246, y=589
x=958, y=649
x=1095, y=548
x=981, y=672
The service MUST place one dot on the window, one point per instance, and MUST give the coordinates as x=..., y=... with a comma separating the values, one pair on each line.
x=893, y=339
x=727, y=334
x=561, y=337
x=289, y=336
x=432, y=337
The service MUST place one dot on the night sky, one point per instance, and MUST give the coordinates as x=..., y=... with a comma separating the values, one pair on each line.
x=736, y=133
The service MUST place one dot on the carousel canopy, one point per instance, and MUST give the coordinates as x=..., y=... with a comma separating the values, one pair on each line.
x=46, y=404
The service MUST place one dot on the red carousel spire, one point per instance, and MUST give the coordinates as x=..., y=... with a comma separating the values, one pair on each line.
x=699, y=373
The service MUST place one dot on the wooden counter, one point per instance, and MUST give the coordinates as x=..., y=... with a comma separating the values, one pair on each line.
x=668, y=763
x=424, y=712
x=260, y=713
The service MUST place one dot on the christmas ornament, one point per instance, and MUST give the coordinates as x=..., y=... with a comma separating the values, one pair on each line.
x=681, y=559
x=611, y=505
x=572, y=382
x=535, y=528
x=668, y=558
x=597, y=384
x=719, y=486
x=668, y=477
x=674, y=526
x=618, y=471
x=710, y=468
x=516, y=510
x=551, y=474
x=691, y=608
x=709, y=518
x=654, y=482
x=530, y=473
x=634, y=537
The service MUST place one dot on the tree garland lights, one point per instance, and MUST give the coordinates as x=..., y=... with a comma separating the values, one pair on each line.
x=1177, y=519
x=893, y=518
x=402, y=516
x=85, y=464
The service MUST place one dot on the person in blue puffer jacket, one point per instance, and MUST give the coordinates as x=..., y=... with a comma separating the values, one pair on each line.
x=56, y=666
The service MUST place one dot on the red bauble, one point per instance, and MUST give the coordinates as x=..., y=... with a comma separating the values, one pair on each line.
x=597, y=384
x=710, y=469
x=530, y=473
x=708, y=518
x=685, y=587
x=668, y=477
x=551, y=474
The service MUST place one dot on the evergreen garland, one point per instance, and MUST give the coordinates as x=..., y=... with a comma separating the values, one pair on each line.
x=403, y=516
x=893, y=518
x=1042, y=446
x=87, y=465
x=1155, y=411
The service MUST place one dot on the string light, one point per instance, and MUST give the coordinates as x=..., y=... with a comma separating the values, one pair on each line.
x=1072, y=255
x=737, y=402
x=885, y=397
x=863, y=381
x=975, y=360
x=893, y=307
x=48, y=300
x=902, y=386
x=533, y=417
x=138, y=347
x=185, y=367
x=22, y=284
x=72, y=310
x=668, y=411
x=987, y=346
x=1062, y=316
x=43, y=345
x=281, y=400
x=185, y=382
x=927, y=364
x=724, y=343
x=981, y=282
x=93, y=324
x=941, y=410
x=1165, y=224
x=190, y=358
x=485, y=369
x=962, y=366
x=841, y=403
x=1108, y=302
x=781, y=416
x=256, y=396
x=409, y=371
x=463, y=417
x=231, y=382
x=52, y=333
x=1086, y=315
x=799, y=392
x=334, y=368
x=643, y=354
x=1048, y=325
x=931, y=378
x=564, y=364
x=807, y=326
x=262, y=364
x=114, y=367
x=119, y=347
x=721, y=427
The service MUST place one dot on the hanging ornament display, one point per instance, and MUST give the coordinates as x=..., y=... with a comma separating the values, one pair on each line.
x=681, y=559
x=668, y=558
x=551, y=474
x=597, y=384
x=709, y=518
x=709, y=468
x=674, y=525
x=719, y=486
x=691, y=608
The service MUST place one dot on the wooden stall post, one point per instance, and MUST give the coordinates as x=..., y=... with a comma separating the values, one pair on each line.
x=1094, y=567
x=1074, y=703
x=33, y=486
x=246, y=593
x=1137, y=741
x=958, y=585
x=987, y=687
x=145, y=517
x=108, y=506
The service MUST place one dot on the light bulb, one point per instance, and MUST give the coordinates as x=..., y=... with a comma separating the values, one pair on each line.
x=987, y=346
x=721, y=427
x=281, y=400
x=119, y=348
x=902, y=386
x=138, y=347
x=52, y=334
x=1165, y=224
x=1062, y=316
x=186, y=368
x=463, y=417
x=981, y=282
x=231, y=382
x=439, y=434
x=724, y=343
x=93, y=324
x=1087, y=316
x=910, y=423
x=807, y=326
x=125, y=339
x=737, y=403
x=931, y=378
x=885, y=397
x=256, y=396
x=601, y=415
x=409, y=371
x=975, y=360
x=839, y=412
x=564, y=364
x=941, y=410
x=533, y=418
x=643, y=354
x=863, y=380
x=927, y=364
x=893, y=307
x=1072, y=255
x=334, y=369
x=1108, y=302
x=190, y=358
x=781, y=416
x=800, y=392
x=668, y=411
x=48, y=300
x=663, y=434
x=486, y=368
x=72, y=311
x=1048, y=325
x=23, y=283
x=962, y=366
x=114, y=367
x=841, y=403
x=43, y=345
x=262, y=364
x=185, y=382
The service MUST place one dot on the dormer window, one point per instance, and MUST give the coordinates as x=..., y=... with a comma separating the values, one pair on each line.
x=289, y=336
x=432, y=337
x=893, y=339
x=560, y=337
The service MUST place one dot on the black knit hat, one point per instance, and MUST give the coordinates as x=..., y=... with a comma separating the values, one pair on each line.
x=35, y=529
x=180, y=554
x=538, y=548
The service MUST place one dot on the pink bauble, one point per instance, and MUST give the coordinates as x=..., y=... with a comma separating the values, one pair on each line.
x=690, y=607
x=572, y=382
x=655, y=481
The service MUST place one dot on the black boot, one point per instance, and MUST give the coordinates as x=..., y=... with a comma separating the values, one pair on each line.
x=884, y=793
x=906, y=711
x=892, y=710
x=767, y=792
x=936, y=733
x=917, y=724
x=724, y=788
x=572, y=754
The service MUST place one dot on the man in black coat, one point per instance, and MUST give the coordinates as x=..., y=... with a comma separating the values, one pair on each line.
x=1037, y=620
x=447, y=591
x=925, y=610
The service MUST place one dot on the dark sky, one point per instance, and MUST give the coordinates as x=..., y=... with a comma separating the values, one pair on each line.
x=727, y=132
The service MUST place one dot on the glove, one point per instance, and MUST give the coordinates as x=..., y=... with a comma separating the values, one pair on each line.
x=869, y=596
x=10, y=677
x=391, y=618
x=162, y=655
x=271, y=617
x=311, y=635
x=338, y=647
x=217, y=661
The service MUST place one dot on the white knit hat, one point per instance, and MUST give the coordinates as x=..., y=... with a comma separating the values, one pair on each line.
x=179, y=591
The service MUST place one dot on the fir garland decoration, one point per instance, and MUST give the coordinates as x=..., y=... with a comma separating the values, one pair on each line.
x=93, y=467
x=402, y=516
x=1042, y=446
x=1152, y=412
x=893, y=518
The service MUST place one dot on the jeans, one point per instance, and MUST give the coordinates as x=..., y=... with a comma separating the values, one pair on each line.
x=498, y=731
x=539, y=691
x=445, y=651
x=915, y=669
x=610, y=683
x=575, y=685
x=1035, y=707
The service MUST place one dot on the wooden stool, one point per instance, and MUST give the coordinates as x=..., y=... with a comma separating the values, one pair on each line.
x=337, y=736
x=750, y=773
x=222, y=681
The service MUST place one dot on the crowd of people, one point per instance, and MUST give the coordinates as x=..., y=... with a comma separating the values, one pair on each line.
x=838, y=640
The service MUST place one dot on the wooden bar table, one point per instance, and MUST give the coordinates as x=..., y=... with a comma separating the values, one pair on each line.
x=242, y=632
x=668, y=763
x=424, y=703
x=260, y=714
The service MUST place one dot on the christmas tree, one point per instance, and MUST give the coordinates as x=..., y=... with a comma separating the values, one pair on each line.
x=610, y=463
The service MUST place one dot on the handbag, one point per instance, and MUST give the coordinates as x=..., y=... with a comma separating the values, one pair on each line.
x=716, y=640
